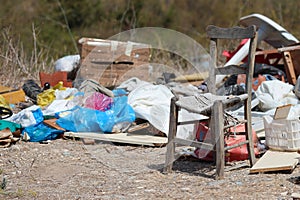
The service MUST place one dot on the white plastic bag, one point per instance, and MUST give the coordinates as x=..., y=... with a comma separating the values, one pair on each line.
x=67, y=63
x=272, y=94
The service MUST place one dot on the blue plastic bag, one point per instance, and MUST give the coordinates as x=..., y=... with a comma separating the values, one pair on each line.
x=41, y=132
x=83, y=119
x=122, y=111
x=119, y=92
x=38, y=115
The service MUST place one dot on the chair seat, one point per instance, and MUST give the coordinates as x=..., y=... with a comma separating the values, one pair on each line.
x=203, y=103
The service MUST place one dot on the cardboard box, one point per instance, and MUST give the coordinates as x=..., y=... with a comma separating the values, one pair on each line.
x=112, y=62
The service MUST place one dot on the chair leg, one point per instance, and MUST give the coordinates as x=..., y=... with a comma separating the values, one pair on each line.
x=249, y=136
x=170, y=155
x=218, y=131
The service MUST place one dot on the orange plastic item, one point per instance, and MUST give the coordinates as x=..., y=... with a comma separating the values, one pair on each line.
x=236, y=154
x=256, y=82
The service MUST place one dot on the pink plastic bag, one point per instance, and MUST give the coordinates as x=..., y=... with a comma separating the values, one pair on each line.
x=98, y=101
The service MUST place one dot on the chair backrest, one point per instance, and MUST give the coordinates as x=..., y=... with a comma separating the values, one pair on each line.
x=215, y=33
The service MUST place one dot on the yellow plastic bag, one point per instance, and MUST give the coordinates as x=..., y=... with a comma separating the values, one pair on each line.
x=46, y=97
x=4, y=103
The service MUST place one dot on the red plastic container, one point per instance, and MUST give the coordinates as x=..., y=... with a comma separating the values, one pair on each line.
x=236, y=154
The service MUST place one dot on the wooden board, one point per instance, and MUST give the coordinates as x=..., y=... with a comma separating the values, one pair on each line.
x=276, y=161
x=192, y=77
x=127, y=138
x=282, y=112
x=11, y=95
x=292, y=64
x=4, y=89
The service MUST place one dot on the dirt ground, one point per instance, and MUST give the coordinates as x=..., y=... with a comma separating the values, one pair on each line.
x=69, y=169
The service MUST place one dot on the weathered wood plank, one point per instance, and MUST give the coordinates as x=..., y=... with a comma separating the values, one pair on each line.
x=127, y=138
x=230, y=70
x=276, y=161
x=289, y=67
x=282, y=112
x=218, y=130
x=170, y=155
x=193, y=143
x=231, y=33
x=247, y=107
x=52, y=123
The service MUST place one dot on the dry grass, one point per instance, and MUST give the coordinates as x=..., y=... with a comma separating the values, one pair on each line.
x=16, y=65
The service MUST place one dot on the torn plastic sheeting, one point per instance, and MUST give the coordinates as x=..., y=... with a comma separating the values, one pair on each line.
x=152, y=103
x=58, y=106
x=46, y=97
x=83, y=119
x=121, y=110
x=272, y=94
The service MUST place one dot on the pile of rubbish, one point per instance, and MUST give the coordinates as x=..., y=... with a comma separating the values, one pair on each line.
x=58, y=105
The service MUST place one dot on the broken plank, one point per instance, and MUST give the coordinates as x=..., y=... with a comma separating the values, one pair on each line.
x=192, y=77
x=52, y=124
x=138, y=127
x=147, y=140
x=276, y=161
x=236, y=166
x=282, y=112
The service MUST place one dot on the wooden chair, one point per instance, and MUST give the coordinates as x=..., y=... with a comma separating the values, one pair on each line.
x=215, y=105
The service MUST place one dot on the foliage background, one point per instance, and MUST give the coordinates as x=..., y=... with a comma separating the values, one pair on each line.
x=44, y=30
